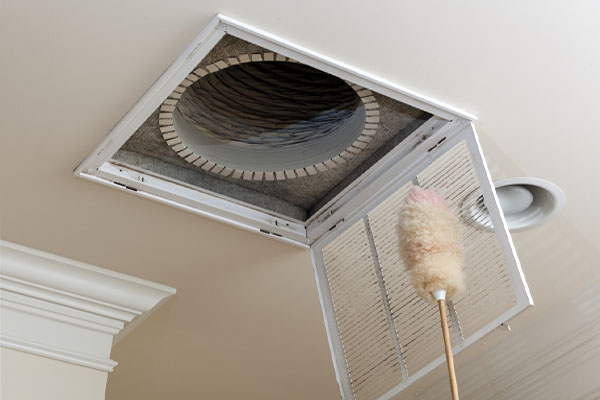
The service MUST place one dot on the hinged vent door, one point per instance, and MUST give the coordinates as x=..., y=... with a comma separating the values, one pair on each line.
x=382, y=335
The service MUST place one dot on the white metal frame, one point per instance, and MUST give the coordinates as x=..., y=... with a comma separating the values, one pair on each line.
x=401, y=173
x=97, y=167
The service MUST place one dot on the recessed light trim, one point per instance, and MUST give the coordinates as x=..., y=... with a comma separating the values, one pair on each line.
x=526, y=202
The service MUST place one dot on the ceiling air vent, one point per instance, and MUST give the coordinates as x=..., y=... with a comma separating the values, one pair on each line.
x=252, y=130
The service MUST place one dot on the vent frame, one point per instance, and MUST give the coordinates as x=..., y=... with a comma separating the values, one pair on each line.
x=97, y=166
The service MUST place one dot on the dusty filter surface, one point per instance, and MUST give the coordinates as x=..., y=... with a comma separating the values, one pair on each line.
x=387, y=332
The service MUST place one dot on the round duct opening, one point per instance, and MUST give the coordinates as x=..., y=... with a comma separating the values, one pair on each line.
x=270, y=104
x=525, y=203
x=251, y=115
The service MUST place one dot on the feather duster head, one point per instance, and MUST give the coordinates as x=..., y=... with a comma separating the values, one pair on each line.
x=430, y=245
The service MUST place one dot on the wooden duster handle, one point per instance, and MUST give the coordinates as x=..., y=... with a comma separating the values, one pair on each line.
x=447, y=344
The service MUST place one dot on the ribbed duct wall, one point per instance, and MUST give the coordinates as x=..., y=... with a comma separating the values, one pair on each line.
x=269, y=103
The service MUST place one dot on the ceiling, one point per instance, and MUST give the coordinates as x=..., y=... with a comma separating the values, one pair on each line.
x=246, y=322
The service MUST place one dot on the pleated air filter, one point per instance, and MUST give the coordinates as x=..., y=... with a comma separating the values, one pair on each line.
x=252, y=130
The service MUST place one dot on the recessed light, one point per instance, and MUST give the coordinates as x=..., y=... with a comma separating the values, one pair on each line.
x=526, y=202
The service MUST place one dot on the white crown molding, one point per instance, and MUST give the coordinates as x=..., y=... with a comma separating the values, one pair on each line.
x=70, y=311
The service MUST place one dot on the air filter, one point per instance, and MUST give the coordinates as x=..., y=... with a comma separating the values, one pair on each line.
x=382, y=335
x=252, y=130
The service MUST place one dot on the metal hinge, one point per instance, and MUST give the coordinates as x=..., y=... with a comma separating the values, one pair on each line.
x=125, y=186
x=437, y=144
x=336, y=224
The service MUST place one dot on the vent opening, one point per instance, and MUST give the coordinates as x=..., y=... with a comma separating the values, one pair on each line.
x=269, y=116
x=259, y=128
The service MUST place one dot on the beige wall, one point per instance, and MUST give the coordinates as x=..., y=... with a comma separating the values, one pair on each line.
x=25, y=376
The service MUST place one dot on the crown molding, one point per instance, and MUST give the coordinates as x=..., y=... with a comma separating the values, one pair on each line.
x=67, y=310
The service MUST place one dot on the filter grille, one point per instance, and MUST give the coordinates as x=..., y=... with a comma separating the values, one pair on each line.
x=371, y=360
x=417, y=321
x=387, y=333
x=490, y=290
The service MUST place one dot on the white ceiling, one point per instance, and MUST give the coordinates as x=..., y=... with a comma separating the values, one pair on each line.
x=246, y=322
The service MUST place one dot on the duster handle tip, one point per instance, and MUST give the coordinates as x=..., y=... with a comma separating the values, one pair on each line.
x=439, y=294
